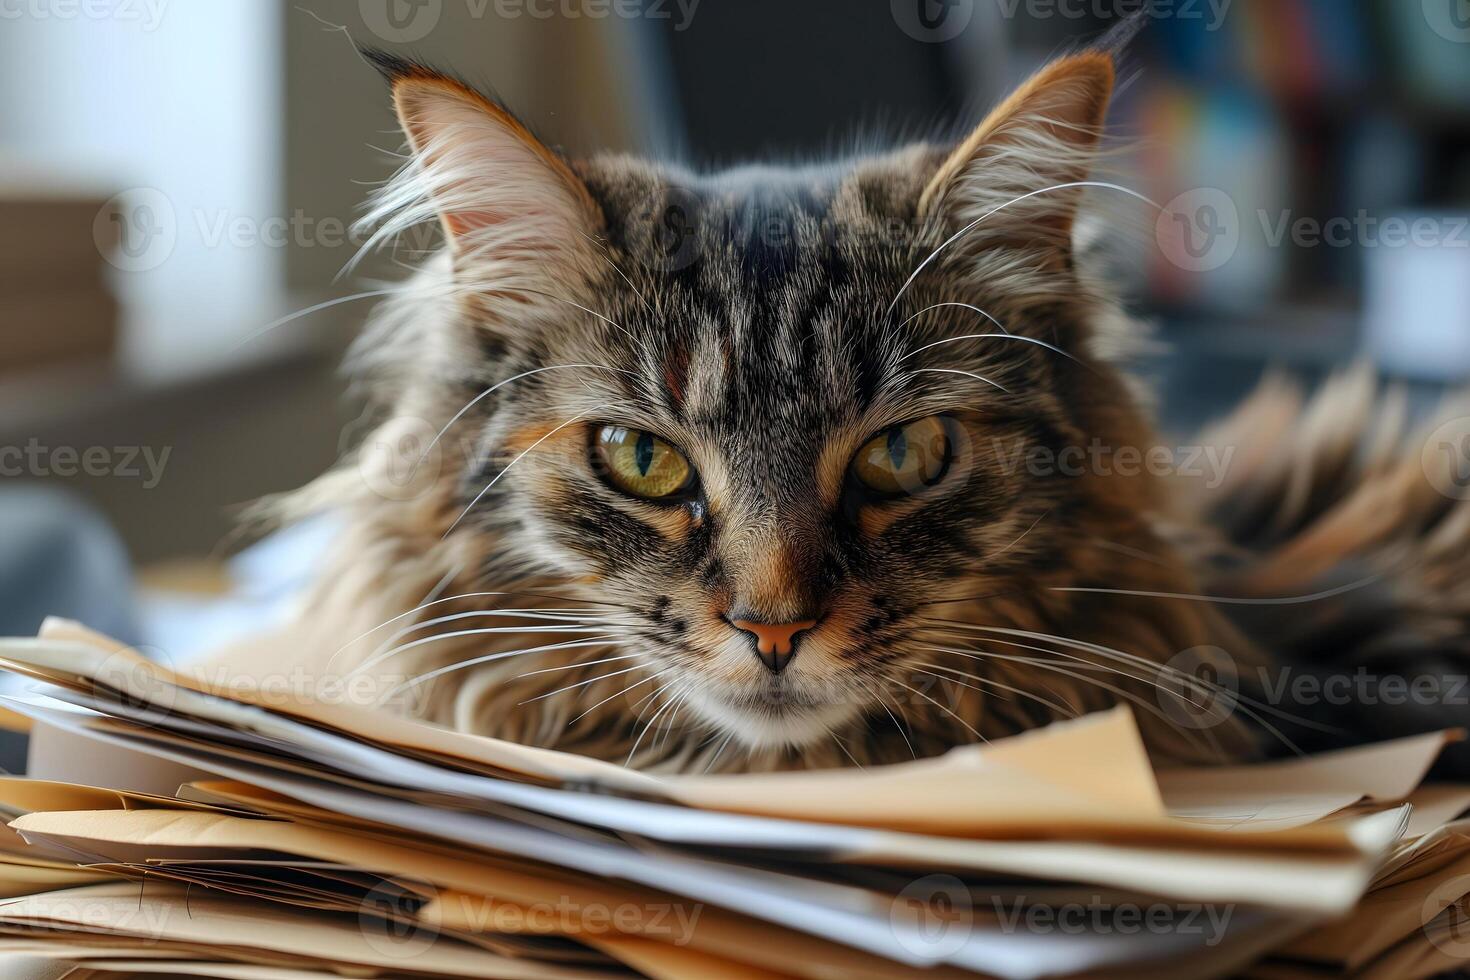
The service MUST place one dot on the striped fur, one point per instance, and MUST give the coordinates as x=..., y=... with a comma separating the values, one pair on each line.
x=768, y=322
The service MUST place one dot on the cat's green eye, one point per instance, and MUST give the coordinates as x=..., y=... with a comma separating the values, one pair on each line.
x=904, y=459
x=641, y=463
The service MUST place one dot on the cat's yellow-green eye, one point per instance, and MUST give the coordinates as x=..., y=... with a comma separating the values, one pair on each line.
x=641, y=463
x=904, y=459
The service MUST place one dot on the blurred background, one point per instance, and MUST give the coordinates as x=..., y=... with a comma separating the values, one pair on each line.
x=179, y=180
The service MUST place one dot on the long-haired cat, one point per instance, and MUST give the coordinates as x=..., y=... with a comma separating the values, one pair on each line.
x=734, y=471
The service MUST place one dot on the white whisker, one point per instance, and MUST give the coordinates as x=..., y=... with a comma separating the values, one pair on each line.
x=973, y=224
x=479, y=496
x=974, y=309
x=968, y=374
x=476, y=661
x=485, y=631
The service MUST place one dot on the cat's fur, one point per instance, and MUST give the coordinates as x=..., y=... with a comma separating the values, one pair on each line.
x=801, y=312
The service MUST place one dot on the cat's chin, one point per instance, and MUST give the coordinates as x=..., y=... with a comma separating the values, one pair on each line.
x=758, y=721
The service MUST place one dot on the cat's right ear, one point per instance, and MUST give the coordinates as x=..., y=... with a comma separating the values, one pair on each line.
x=505, y=200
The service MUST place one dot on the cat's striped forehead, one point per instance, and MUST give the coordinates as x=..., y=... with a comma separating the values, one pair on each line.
x=755, y=303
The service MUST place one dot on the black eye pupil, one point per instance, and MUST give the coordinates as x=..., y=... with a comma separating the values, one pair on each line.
x=898, y=447
x=643, y=453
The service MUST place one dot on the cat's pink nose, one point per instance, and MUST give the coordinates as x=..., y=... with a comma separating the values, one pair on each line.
x=775, y=643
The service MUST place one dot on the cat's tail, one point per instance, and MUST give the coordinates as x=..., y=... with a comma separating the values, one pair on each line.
x=1346, y=530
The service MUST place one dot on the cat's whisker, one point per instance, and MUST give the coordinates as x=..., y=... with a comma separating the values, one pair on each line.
x=673, y=698
x=1068, y=711
x=1247, y=705
x=483, y=631
x=720, y=751
x=476, y=661
x=662, y=739
x=434, y=593
x=1070, y=185
x=588, y=663
x=1143, y=663
x=1187, y=681
x=618, y=269
x=989, y=336
x=974, y=309
x=654, y=676
x=1083, y=662
x=464, y=595
x=496, y=387
x=1115, y=690
x=901, y=728
x=970, y=728
x=590, y=680
x=535, y=615
x=1232, y=600
x=843, y=746
x=977, y=597
x=307, y=311
x=605, y=319
x=968, y=374
x=486, y=489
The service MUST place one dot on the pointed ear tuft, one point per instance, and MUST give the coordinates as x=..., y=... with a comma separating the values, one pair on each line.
x=510, y=206
x=1046, y=134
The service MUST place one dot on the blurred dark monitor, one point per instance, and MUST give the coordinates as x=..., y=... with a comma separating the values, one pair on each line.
x=794, y=80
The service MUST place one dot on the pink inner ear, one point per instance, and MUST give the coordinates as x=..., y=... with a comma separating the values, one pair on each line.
x=487, y=173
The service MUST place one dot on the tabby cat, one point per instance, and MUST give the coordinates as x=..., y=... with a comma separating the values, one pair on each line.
x=735, y=471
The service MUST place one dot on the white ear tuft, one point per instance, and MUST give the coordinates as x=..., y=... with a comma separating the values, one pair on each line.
x=515, y=215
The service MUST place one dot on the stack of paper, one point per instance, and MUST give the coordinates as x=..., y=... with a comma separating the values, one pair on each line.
x=233, y=834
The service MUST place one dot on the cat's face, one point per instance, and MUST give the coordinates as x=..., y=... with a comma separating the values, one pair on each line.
x=739, y=416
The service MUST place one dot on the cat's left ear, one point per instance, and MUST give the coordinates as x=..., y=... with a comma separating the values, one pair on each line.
x=1013, y=177
x=512, y=209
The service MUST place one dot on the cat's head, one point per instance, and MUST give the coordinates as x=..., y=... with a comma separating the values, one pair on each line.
x=781, y=419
